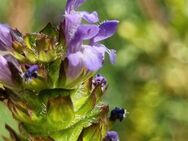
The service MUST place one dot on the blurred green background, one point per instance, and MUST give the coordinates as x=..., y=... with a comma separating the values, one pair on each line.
x=150, y=77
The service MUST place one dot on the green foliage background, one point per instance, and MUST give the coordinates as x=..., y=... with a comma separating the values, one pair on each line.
x=150, y=76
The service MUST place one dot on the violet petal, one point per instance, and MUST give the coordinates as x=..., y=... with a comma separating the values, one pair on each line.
x=88, y=31
x=75, y=43
x=111, y=52
x=72, y=22
x=84, y=32
x=106, y=30
x=112, y=56
x=92, y=58
x=75, y=58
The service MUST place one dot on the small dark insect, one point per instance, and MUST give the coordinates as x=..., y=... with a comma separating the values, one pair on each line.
x=117, y=114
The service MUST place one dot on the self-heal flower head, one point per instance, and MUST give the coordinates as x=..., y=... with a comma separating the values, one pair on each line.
x=86, y=56
x=47, y=79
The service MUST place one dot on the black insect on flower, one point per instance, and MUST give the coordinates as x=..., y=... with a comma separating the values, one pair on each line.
x=117, y=114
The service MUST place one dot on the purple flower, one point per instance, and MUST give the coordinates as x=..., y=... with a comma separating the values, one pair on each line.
x=31, y=72
x=80, y=55
x=5, y=37
x=107, y=29
x=111, y=136
x=99, y=80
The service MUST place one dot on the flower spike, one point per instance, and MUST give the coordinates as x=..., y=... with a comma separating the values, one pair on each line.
x=47, y=79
